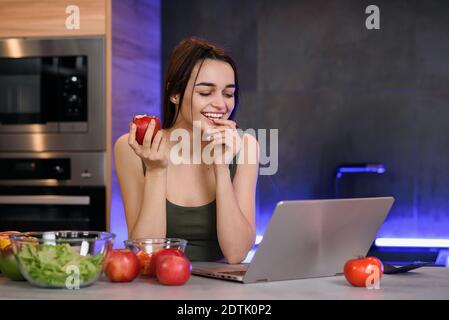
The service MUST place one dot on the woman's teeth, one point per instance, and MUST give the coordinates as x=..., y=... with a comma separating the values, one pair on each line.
x=213, y=115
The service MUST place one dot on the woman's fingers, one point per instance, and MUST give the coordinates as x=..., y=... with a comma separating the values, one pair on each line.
x=223, y=140
x=156, y=142
x=148, y=140
x=132, y=139
x=216, y=137
x=222, y=131
x=230, y=143
x=152, y=151
x=226, y=136
x=149, y=134
x=229, y=123
x=224, y=126
x=162, y=144
x=131, y=134
x=223, y=153
x=163, y=148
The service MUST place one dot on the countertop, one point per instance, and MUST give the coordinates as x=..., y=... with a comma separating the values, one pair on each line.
x=423, y=283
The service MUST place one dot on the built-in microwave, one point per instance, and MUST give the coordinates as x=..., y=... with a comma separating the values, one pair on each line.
x=43, y=91
x=52, y=94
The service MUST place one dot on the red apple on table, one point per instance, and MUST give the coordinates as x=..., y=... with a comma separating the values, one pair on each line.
x=173, y=270
x=161, y=253
x=142, y=122
x=122, y=265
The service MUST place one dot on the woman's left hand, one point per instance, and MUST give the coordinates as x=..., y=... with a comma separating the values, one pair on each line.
x=226, y=136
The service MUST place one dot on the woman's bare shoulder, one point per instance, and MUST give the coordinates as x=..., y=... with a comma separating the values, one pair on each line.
x=124, y=153
x=123, y=139
x=121, y=145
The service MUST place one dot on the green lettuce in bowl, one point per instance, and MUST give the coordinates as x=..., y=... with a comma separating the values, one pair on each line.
x=65, y=259
x=51, y=265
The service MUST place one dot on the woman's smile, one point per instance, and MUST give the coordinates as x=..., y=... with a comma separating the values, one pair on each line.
x=210, y=116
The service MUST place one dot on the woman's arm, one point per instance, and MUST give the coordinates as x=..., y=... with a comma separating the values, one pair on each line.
x=151, y=221
x=144, y=197
x=236, y=229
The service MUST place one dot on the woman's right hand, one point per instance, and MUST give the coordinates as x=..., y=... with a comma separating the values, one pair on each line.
x=153, y=153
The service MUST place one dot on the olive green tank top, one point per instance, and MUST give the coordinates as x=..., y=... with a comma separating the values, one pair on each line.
x=197, y=225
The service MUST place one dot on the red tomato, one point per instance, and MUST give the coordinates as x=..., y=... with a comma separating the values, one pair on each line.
x=173, y=270
x=142, y=123
x=122, y=265
x=145, y=262
x=377, y=262
x=358, y=270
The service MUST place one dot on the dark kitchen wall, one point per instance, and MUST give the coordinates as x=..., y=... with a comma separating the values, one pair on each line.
x=136, y=72
x=339, y=93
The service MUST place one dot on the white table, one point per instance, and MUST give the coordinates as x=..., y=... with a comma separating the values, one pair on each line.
x=423, y=283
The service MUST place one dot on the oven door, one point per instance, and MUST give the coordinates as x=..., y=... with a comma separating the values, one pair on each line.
x=52, y=208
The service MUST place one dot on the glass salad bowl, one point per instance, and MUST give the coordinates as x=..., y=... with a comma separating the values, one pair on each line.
x=61, y=259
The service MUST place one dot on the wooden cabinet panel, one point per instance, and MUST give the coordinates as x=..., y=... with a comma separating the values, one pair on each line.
x=31, y=18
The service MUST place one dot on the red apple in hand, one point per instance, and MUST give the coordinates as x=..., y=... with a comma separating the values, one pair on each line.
x=122, y=265
x=173, y=270
x=142, y=123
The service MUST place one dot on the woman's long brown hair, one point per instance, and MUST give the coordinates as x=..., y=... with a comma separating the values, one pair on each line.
x=182, y=60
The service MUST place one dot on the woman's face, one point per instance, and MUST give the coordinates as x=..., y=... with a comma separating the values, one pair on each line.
x=210, y=96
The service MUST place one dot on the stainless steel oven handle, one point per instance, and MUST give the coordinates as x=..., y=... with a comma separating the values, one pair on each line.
x=45, y=200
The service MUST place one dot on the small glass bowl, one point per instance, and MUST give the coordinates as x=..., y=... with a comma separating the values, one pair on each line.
x=8, y=263
x=145, y=248
x=61, y=259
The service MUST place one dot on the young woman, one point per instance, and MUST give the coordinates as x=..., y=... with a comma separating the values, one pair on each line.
x=210, y=204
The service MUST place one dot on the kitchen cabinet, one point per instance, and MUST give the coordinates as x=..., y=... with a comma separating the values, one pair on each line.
x=30, y=18
x=46, y=19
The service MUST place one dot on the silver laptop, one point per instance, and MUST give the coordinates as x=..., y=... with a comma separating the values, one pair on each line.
x=308, y=239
